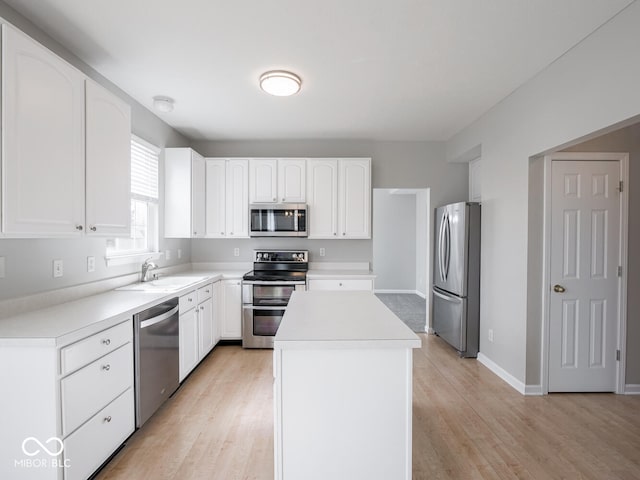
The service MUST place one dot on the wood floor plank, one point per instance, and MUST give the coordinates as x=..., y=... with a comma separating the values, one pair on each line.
x=467, y=424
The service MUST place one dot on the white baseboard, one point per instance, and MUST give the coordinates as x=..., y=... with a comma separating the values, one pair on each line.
x=632, y=389
x=502, y=373
x=533, y=390
x=420, y=294
x=431, y=331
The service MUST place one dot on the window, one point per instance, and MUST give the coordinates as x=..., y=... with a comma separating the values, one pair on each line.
x=144, y=203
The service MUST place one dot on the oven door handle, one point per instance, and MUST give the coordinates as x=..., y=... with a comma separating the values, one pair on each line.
x=254, y=307
x=273, y=283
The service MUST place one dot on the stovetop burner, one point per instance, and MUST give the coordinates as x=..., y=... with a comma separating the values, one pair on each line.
x=278, y=266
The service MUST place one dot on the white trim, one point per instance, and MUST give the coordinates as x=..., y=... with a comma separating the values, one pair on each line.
x=131, y=258
x=431, y=331
x=623, y=159
x=502, y=373
x=632, y=389
x=420, y=294
x=533, y=390
x=154, y=148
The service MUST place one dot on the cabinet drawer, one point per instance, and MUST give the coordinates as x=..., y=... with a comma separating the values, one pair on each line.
x=88, y=447
x=337, y=284
x=188, y=301
x=91, y=388
x=86, y=351
x=204, y=293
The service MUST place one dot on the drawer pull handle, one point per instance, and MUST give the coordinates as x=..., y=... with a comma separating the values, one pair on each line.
x=107, y=419
x=106, y=367
x=106, y=341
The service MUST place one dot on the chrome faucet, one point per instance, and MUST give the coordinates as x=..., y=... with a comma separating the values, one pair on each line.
x=146, y=266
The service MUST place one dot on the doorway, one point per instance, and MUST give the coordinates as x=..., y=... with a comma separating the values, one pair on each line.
x=401, y=252
x=586, y=209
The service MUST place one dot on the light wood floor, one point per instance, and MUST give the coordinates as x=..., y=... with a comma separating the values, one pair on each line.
x=467, y=424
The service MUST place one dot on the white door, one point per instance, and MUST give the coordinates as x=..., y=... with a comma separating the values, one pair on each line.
x=43, y=140
x=108, y=163
x=291, y=180
x=263, y=179
x=237, y=198
x=354, y=193
x=215, y=193
x=585, y=252
x=322, y=197
x=197, y=195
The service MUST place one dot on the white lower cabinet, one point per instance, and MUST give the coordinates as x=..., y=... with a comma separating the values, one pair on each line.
x=231, y=310
x=89, y=446
x=188, y=342
x=340, y=284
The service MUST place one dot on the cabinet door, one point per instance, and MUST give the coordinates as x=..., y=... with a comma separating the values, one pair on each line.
x=177, y=193
x=188, y=342
x=42, y=139
x=231, y=310
x=108, y=163
x=322, y=197
x=197, y=195
x=263, y=178
x=215, y=313
x=205, y=327
x=237, y=211
x=292, y=178
x=475, y=187
x=215, y=194
x=354, y=198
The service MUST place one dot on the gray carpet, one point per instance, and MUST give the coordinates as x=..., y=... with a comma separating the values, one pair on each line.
x=410, y=308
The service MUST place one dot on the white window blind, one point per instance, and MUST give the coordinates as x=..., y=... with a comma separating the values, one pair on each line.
x=144, y=170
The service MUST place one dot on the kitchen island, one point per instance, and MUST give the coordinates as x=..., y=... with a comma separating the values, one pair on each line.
x=343, y=365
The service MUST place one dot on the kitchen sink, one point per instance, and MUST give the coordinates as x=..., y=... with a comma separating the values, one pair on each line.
x=165, y=284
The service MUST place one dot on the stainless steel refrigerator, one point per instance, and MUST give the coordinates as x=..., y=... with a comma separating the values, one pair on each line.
x=456, y=276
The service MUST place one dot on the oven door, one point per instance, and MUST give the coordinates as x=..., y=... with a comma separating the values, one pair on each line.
x=259, y=325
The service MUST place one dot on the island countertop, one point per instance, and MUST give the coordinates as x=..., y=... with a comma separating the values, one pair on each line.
x=341, y=319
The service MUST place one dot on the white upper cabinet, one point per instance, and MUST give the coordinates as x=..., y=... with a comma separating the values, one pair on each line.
x=43, y=140
x=263, y=180
x=354, y=197
x=184, y=193
x=280, y=180
x=227, y=198
x=322, y=197
x=108, y=163
x=339, y=198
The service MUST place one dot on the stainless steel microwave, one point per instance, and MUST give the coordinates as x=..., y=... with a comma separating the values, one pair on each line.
x=278, y=220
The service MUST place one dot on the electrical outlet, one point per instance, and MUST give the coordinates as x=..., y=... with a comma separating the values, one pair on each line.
x=91, y=264
x=322, y=252
x=58, y=268
x=490, y=334
x=167, y=254
x=236, y=252
x=2, y=267
x=179, y=253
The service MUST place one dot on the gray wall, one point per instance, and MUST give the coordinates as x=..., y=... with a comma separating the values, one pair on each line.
x=588, y=90
x=394, y=165
x=394, y=240
x=28, y=261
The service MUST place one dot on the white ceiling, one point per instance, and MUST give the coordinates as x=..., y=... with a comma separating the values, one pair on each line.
x=378, y=69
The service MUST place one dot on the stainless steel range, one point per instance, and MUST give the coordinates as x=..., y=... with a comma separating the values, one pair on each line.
x=266, y=290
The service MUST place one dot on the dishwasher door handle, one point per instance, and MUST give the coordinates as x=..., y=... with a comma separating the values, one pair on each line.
x=160, y=318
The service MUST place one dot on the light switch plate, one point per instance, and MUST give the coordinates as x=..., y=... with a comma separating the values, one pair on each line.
x=91, y=264
x=58, y=268
x=179, y=253
x=2, y=267
x=322, y=252
x=236, y=252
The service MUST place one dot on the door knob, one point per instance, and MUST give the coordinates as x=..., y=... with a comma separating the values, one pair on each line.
x=559, y=289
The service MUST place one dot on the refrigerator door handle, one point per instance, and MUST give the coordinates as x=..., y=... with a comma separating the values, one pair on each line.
x=441, y=245
x=448, y=298
x=447, y=256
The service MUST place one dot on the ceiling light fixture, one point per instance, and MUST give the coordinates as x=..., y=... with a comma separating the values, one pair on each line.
x=163, y=104
x=280, y=83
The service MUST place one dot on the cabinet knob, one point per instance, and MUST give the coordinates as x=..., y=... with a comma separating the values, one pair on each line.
x=343, y=233
x=230, y=233
x=340, y=284
x=334, y=233
x=79, y=227
x=106, y=367
x=107, y=419
x=274, y=199
x=190, y=299
x=195, y=233
x=283, y=199
x=106, y=341
x=207, y=291
x=93, y=229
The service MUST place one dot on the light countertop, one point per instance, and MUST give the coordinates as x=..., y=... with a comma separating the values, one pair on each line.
x=68, y=322
x=341, y=319
x=339, y=274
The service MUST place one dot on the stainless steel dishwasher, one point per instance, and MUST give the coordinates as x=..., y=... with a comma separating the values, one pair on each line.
x=157, y=357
